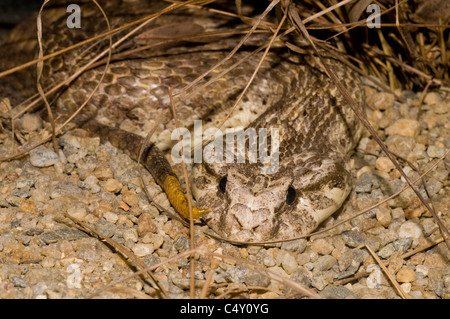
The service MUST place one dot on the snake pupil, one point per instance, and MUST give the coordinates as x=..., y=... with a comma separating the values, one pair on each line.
x=290, y=195
x=223, y=184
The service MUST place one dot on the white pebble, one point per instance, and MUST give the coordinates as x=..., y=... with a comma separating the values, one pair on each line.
x=111, y=217
x=142, y=250
x=410, y=230
x=435, y=152
x=78, y=213
x=374, y=279
x=422, y=269
x=130, y=234
x=406, y=287
x=42, y=156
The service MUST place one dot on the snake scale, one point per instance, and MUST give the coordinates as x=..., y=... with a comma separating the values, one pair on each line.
x=290, y=93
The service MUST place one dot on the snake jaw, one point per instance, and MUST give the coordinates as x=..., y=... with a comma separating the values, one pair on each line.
x=176, y=197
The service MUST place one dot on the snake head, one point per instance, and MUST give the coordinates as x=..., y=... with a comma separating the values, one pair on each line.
x=246, y=205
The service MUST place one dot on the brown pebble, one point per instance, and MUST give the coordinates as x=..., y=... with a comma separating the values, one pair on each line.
x=103, y=155
x=31, y=122
x=435, y=261
x=380, y=100
x=404, y=127
x=417, y=259
x=123, y=205
x=130, y=197
x=103, y=173
x=383, y=216
x=28, y=207
x=432, y=98
x=102, y=208
x=112, y=185
x=145, y=224
x=12, y=176
x=406, y=275
x=244, y=253
x=384, y=164
x=321, y=246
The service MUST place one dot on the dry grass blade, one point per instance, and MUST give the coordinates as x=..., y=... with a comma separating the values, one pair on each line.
x=405, y=66
x=254, y=72
x=387, y=272
x=230, y=55
x=209, y=276
x=39, y=67
x=422, y=248
x=109, y=33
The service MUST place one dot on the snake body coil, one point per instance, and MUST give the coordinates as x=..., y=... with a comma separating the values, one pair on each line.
x=290, y=95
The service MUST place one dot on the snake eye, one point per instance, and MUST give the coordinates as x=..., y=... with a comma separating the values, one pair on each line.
x=291, y=194
x=223, y=184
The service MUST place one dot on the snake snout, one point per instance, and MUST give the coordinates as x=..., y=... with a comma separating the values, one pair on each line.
x=247, y=217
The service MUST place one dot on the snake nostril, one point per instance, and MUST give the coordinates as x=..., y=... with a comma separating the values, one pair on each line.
x=223, y=184
x=291, y=194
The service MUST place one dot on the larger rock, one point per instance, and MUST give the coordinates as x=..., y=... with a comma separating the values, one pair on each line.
x=42, y=156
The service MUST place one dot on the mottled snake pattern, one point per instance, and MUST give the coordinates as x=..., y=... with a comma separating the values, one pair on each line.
x=290, y=93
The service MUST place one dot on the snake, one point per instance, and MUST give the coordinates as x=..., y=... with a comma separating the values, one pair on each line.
x=291, y=99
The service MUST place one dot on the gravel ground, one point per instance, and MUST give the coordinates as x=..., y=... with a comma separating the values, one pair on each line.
x=41, y=257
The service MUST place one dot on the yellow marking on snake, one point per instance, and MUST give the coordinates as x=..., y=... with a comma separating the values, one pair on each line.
x=178, y=200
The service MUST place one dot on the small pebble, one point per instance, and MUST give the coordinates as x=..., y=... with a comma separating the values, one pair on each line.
x=383, y=216
x=337, y=292
x=123, y=206
x=289, y=263
x=79, y=213
x=404, y=127
x=102, y=208
x=91, y=183
x=403, y=145
x=130, y=234
x=422, y=269
x=111, y=217
x=406, y=287
x=112, y=185
x=145, y=224
x=435, y=152
x=28, y=207
x=374, y=279
x=410, y=229
x=434, y=261
x=103, y=173
x=353, y=238
x=42, y=156
x=403, y=244
x=406, y=275
x=381, y=100
x=321, y=246
x=386, y=251
x=31, y=122
x=130, y=198
x=432, y=99
x=384, y=164
x=324, y=263
x=142, y=250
